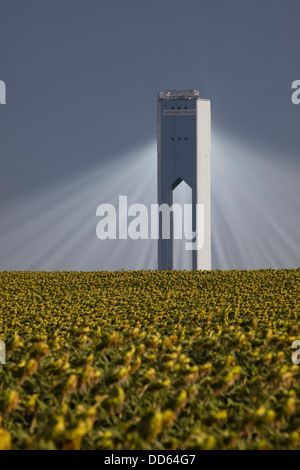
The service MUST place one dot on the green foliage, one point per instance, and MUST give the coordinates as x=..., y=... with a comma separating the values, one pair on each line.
x=149, y=360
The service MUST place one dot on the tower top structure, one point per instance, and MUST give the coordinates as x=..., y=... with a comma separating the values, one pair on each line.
x=178, y=95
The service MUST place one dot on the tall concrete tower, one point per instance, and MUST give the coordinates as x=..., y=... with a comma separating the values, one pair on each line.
x=183, y=148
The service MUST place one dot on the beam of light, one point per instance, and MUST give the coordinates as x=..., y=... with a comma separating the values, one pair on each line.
x=255, y=207
x=255, y=214
x=56, y=230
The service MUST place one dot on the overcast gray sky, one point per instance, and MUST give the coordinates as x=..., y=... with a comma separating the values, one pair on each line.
x=82, y=78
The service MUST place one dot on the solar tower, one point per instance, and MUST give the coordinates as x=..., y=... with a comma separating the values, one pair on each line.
x=183, y=148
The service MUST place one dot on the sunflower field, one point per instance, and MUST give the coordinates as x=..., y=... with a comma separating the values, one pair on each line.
x=150, y=360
